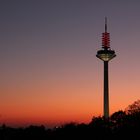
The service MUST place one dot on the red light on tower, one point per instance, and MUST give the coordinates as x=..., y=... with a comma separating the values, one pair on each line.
x=105, y=40
x=106, y=37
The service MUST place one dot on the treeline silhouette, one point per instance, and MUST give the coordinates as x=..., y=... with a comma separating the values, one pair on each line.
x=121, y=124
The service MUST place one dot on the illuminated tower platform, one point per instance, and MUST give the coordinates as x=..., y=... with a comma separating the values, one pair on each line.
x=106, y=54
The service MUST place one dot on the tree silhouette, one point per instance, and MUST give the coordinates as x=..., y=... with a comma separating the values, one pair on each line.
x=118, y=117
x=133, y=108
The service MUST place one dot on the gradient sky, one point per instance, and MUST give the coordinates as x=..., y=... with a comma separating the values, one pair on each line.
x=49, y=73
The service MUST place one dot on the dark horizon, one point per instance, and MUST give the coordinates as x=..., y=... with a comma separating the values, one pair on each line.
x=121, y=124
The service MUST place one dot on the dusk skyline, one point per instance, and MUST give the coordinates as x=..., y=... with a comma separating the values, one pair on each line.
x=49, y=71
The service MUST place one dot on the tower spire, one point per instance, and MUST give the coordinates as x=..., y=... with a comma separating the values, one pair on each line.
x=105, y=24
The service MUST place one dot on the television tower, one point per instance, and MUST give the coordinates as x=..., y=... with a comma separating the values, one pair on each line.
x=106, y=54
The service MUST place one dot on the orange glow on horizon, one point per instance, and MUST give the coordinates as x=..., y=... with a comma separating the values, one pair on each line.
x=70, y=97
x=64, y=108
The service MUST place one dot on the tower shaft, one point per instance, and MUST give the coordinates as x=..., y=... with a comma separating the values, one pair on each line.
x=106, y=90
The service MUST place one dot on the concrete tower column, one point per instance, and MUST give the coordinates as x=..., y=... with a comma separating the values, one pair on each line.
x=106, y=90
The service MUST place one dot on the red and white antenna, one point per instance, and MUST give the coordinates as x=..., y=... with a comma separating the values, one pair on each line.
x=105, y=37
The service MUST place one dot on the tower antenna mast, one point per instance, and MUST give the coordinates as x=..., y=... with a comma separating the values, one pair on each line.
x=105, y=24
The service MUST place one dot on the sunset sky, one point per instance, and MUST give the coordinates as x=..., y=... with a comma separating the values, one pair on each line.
x=49, y=73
